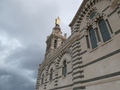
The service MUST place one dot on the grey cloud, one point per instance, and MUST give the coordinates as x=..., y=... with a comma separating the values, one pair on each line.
x=2, y=48
x=14, y=82
x=27, y=58
x=21, y=21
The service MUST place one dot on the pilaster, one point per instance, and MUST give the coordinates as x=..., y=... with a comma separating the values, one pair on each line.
x=78, y=73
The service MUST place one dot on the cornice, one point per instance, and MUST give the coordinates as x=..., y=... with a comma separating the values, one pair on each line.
x=83, y=9
x=77, y=14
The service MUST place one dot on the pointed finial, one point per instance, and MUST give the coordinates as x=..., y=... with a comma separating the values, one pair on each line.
x=57, y=21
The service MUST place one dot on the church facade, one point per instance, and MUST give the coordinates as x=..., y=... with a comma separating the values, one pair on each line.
x=89, y=59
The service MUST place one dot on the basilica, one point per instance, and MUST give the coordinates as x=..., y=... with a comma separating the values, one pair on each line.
x=89, y=59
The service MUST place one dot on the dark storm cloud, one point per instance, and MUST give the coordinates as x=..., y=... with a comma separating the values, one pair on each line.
x=15, y=82
x=24, y=26
x=21, y=68
x=27, y=57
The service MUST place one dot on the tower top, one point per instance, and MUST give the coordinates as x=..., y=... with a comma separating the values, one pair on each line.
x=57, y=21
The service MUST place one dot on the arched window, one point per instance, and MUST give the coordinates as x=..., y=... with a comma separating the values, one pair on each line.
x=93, y=38
x=51, y=75
x=64, y=69
x=42, y=80
x=104, y=30
x=55, y=44
x=92, y=15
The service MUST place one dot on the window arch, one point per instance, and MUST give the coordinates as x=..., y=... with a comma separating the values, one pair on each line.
x=64, y=69
x=42, y=80
x=51, y=75
x=93, y=38
x=104, y=30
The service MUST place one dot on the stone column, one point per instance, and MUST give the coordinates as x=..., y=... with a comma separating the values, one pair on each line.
x=97, y=33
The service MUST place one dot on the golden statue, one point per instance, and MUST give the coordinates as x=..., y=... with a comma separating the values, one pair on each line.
x=57, y=21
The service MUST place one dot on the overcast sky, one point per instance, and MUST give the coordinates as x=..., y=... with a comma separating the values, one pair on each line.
x=24, y=26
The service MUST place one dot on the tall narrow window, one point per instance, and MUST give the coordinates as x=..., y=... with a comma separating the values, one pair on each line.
x=64, y=69
x=55, y=44
x=104, y=30
x=42, y=81
x=51, y=74
x=93, y=38
x=87, y=40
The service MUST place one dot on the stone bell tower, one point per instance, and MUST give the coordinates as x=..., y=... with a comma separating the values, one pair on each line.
x=55, y=39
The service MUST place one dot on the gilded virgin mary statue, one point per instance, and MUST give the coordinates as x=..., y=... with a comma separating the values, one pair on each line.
x=57, y=21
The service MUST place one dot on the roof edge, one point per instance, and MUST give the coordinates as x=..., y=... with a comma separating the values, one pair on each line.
x=79, y=10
